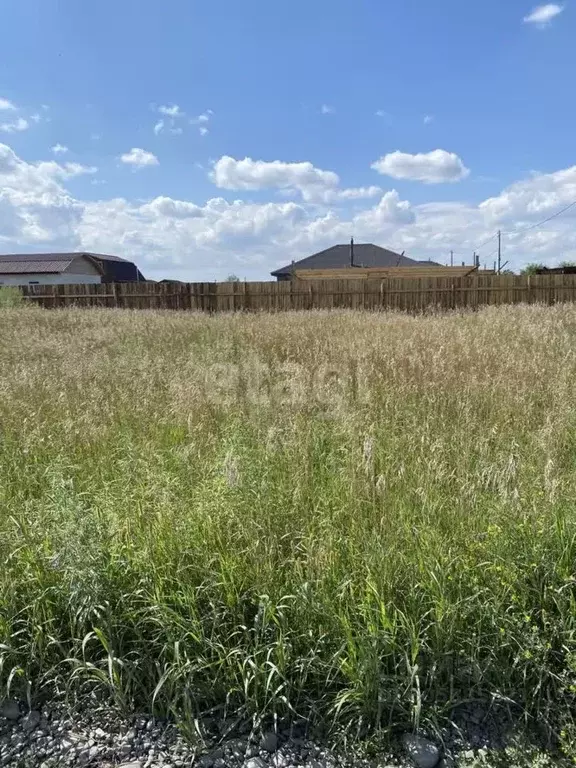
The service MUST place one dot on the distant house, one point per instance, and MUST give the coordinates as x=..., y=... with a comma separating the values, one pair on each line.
x=60, y=268
x=360, y=260
x=566, y=269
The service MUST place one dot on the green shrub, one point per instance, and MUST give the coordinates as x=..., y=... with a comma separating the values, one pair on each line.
x=10, y=296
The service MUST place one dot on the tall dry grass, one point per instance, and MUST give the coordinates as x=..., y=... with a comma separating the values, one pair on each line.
x=359, y=517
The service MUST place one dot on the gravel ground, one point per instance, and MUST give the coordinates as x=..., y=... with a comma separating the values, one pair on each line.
x=101, y=738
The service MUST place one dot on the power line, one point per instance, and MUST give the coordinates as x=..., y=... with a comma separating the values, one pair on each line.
x=539, y=224
x=519, y=231
x=486, y=242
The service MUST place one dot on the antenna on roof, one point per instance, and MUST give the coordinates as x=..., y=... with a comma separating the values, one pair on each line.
x=351, y=251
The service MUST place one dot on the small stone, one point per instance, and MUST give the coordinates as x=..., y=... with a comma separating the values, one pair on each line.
x=422, y=752
x=83, y=756
x=269, y=742
x=469, y=754
x=134, y=764
x=66, y=745
x=255, y=762
x=10, y=709
x=32, y=720
x=100, y=734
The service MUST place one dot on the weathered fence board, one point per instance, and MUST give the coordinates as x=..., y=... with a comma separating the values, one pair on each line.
x=412, y=295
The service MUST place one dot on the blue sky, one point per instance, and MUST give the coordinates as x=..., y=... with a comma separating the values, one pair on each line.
x=202, y=138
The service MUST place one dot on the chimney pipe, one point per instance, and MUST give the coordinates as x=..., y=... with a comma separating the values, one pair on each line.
x=351, y=251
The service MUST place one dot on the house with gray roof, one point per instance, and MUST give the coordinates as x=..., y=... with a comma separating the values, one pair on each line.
x=351, y=255
x=66, y=268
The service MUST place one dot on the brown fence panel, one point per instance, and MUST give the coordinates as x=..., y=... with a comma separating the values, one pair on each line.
x=398, y=293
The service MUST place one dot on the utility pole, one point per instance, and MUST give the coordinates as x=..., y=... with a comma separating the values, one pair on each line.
x=451, y=258
x=499, y=251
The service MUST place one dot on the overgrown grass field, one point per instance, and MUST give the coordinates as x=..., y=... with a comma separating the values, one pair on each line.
x=359, y=518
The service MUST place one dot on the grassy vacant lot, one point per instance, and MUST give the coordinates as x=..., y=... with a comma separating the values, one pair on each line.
x=366, y=518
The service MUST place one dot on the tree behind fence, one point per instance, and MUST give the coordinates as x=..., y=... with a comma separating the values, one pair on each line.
x=402, y=294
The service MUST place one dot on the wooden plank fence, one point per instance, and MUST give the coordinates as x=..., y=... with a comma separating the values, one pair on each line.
x=414, y=295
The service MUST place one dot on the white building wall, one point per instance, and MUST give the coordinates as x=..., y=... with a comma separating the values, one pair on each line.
x=61, y=278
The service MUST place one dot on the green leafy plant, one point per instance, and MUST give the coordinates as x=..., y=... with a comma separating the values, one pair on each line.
x=10, y=296
x=531, y=269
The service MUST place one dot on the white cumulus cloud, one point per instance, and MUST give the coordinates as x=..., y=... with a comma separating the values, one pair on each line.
x=59, y=149
x=434, y=167
x=202, y=121
x=171, y=114
x=172, y=110
x=314, y=184
x=6, y=105
x=356, y=193
x=34, y=206
x=177, y=209
x=389, y=210
x=260, y=174
x=139, y=158
x=543, y=14
x=16, y=126
x=326, y=109
x=209, y=238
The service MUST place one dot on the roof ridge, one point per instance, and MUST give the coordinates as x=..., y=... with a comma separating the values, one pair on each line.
x=372, y=253
x=59, y=256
